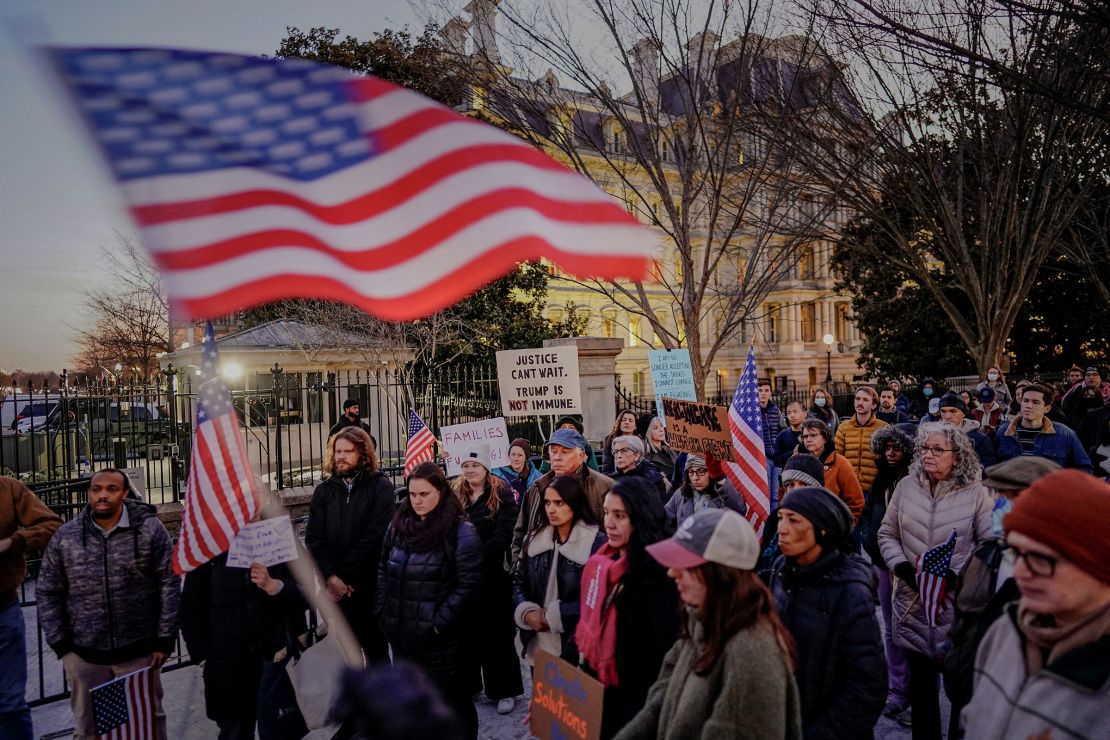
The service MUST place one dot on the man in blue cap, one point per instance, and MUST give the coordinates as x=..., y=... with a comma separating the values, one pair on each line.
x=566, y=453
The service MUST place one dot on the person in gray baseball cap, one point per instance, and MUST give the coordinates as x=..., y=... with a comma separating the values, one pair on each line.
x=730, y=674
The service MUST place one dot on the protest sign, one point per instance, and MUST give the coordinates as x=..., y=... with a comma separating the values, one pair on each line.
x=566, y=703
x=137, y=476
x=270, y=541
x=457, y=438
x=701, y=428
x=539, y=381
x=672, y=375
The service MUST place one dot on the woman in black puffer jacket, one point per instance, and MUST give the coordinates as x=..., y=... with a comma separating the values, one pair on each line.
x=826, y=599
x=428, y=584
x=547, y=617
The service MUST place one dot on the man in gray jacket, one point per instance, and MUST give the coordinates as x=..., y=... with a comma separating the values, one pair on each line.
x=108, y=596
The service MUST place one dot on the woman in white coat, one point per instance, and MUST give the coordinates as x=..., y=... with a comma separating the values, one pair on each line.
x=942, y=493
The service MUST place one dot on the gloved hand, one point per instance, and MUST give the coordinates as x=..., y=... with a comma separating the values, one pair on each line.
x=905, y=571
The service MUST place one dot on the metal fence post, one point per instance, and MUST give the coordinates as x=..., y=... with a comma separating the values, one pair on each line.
x=278, y=407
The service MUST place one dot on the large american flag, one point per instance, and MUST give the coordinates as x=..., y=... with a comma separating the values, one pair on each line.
x=222, y=494
x=421, y=444
x=932, y=580
x=749, y=474
x=256, y=179
x=123, y=708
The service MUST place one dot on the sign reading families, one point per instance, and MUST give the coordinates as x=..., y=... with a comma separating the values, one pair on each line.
x=458, y=438
x=701, y=428
x=566, y=703
x=672, y=375
x=270, y=541
x=539, y=381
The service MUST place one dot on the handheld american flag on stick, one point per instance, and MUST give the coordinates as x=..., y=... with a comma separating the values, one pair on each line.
x=749, y=474
x=222, y=493
x=123, y=708
x=932, y=577
x=420, y=445
x=253, y=180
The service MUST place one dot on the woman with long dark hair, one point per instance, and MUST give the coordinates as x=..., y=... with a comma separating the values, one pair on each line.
x=730, y=674
x=520, y=473
x=821, y=407
x=625, y=423
x=547, y=583
x=629, y=607
x=489, y=505
x=428, y=583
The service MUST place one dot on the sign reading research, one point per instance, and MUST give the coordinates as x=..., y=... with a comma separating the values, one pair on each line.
x=672, y=374
x=458, y=438
x=539, y=381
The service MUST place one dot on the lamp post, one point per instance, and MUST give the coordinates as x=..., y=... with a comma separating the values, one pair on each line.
x=828, y=339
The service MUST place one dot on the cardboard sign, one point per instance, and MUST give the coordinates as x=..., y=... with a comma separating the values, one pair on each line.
x=672, y=375
x=458, y=437
x=539, y=381
x=700, y=428
x=270, y=541
x=566, y=703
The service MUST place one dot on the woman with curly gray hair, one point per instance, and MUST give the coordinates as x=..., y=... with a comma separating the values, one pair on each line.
x=942, y=493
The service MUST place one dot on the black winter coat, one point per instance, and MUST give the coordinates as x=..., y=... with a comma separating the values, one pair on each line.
x=495, y=531
x=345, y=530
x=829, y=608
x=234, y=627
x=424, y=599
x=646, y=470
x=874, y=507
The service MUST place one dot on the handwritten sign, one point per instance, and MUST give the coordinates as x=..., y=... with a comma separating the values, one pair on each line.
x=137, y=476
x=566, y=703
x=672, y=374
x=700, y=428
x=269, y=542
x=457, y=438
x=539, y=381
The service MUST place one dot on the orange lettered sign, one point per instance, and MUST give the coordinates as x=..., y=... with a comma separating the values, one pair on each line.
x=566, y=703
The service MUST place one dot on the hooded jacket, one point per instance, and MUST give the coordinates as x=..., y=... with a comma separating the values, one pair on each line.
x=829, y=608
x=854, y=442
x=30, y=524
x=882, y=488
x=646, y=470
x=916, y=521
x=519, y=482
x=919, y=406
x=109, y=599
x=842, y=480
x=685, y=501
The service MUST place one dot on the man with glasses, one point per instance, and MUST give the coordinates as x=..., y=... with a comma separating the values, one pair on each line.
x=1032, y=433
x=628, y=453
x=1043, y=668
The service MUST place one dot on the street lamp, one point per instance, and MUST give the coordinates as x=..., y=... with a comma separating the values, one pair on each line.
x=828, y=339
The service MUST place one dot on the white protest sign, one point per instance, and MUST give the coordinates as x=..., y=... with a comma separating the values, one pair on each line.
x=672, y=375
x=457, y=438
x=539, y=381
x=137, y=476
x=270, y=541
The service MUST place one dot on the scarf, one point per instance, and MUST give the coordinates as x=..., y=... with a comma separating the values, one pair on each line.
x=596, y=634
x=1046, y=641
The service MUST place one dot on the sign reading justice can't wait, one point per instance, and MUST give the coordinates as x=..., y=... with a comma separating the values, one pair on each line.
x=539, y=381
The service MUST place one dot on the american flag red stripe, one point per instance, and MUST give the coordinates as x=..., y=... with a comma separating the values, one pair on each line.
x=932, y=578
x=124, y=707
x=289, y=179
x=222, y=493
x=421, y=443
x=749, y=474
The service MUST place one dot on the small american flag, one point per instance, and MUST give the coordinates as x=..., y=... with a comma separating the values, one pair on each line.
x=254, y=180
x=222, y=494
x=932, y=581
x=749, y=475
x=419, y=448
x=123, y=709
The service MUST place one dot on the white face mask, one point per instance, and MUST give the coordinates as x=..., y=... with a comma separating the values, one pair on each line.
x=819, y=401
x=992, y=377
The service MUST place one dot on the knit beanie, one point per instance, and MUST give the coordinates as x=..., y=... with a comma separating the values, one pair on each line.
x=1067, y=511
x=522, y=444
x=824, y=510
x=804, y=468
x=952, y=401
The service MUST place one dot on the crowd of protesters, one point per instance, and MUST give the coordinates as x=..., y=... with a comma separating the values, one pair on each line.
x=644, y=571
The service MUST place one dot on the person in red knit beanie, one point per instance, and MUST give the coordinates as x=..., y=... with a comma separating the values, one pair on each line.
x=1043, y=669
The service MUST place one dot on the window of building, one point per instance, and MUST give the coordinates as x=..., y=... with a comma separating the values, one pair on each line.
x=635, y=338
x=680, y=325
x=609, y=323
x=841, y=322
x=638, y=383
x=809, y=322
x=583, y=315
x=774, y=323
x=807, y=263
x=555, y=316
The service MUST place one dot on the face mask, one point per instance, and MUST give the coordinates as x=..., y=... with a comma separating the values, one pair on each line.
x=820, y=402
x=1002, y=507
x=926, y=392
x=992, y=377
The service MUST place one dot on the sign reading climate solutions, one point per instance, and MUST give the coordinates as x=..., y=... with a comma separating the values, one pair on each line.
x=539, y=381
x=566, y=703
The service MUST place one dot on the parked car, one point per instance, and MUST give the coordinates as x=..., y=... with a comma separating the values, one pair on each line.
x=36, y=416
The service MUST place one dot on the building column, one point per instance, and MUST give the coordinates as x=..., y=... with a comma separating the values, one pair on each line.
x=597, y=363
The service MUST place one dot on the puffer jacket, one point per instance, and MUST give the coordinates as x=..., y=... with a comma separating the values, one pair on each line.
x=531, y=516
x=685, y=501
x=882, y=488
x=854, y=442
x=773, y=422
x=829, y=608
x=109, y=599
x=918, y=520
x=530, y=582
x=646, y=470
x=424, y=599
x=1066, y=698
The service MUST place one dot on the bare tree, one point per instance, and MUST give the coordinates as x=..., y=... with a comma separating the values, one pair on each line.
x=128, y=316
x=682, y=128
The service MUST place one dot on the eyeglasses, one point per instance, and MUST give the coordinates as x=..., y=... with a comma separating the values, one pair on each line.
x=936, y=451
x=699, y=473
x=812, y=435
x=1038, y=563
x=624, y=451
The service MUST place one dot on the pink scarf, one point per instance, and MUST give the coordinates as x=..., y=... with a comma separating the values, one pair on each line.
x=596, y=634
